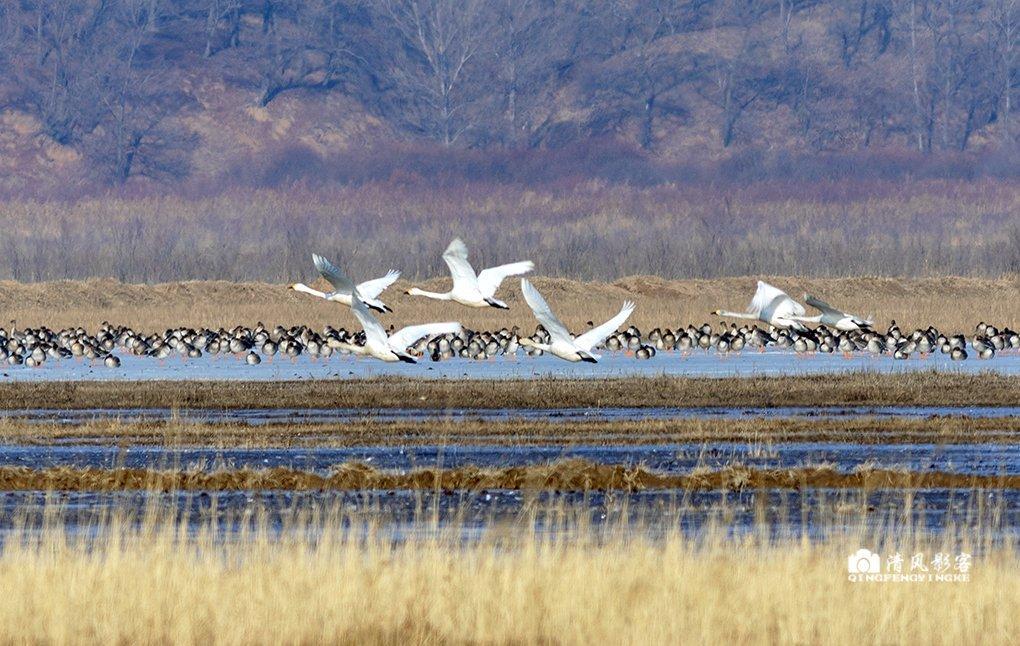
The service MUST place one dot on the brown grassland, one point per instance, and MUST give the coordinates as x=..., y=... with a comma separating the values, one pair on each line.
x=150, y=582
x=954, y=304
x=366, y=431
x=851, y=389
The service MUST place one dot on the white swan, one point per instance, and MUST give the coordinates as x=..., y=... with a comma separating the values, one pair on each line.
x=469, y=289
x=561, y=343
x=369, y=290
x=771, y=305
x=393, y=347
x=832, y=317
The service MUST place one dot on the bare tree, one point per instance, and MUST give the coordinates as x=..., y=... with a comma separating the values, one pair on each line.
x=134, y=136
x=644, y=80
x=222, y=16
x=860, y=24
x=443, y=37
x=58, y=80
x=521, y=55
x=307, y=47
x=740, y=71
x=10, y=45
x=1005, y=18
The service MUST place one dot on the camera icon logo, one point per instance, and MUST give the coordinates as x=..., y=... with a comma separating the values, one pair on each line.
x=864, y=561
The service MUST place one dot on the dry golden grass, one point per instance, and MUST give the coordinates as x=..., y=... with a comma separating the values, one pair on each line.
x=370, y=432
x=949, y=303
x=566, y=475
x=850, y=389
x=154, y=585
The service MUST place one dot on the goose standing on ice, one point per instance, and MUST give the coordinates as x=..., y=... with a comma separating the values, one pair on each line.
x=832, y=317
x=394, y=347
x=773, y=306
x=369, y=290
x=471, y=289
x=561, y=342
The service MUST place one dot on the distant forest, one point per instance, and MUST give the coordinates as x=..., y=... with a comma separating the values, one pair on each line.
x=115, y=82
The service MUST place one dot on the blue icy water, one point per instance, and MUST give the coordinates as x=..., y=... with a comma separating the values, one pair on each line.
x=397, y=515
x=982, y=458
x=703, y=364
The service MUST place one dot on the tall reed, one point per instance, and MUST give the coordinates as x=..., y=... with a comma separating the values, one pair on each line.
x=312, y=579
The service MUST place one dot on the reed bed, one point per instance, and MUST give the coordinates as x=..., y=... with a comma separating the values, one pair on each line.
x=154, y=580
x=366, y=431
x=575, y=475
x=916, y=388
x=590, y=230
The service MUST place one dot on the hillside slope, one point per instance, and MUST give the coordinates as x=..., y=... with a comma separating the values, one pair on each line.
x=120, y=91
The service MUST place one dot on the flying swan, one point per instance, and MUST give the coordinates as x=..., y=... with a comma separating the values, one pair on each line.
x=393, y=347
x=832, y=317
x=773, y=306
x=369, y=290
x=469, y=289
x=561, y=342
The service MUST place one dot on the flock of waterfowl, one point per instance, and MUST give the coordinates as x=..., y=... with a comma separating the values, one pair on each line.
x=779, y=321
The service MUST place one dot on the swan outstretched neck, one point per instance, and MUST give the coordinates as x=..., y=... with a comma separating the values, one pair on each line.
x=469, y=288
x=561, y=343
x=305, y=289
x=771, y=305
x=444, y=296
x=344, y=287
x=735, y=315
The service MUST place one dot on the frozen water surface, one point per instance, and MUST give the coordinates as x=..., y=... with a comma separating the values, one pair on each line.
x=982, y=458
x=697, y=364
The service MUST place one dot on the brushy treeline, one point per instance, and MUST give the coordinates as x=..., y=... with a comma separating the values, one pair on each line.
x=589, y=230
x=122, y=82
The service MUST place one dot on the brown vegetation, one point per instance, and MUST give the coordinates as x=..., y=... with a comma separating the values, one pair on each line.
x=853, y=389
x=952, y=304
x=155, y=582
x=591, y=231
x=368, y=432
x=568, y=475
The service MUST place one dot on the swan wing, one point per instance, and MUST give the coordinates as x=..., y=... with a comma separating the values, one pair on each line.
x=374, y=331
x=404, y=337
x=557, y=331
x=372, y=288
x=820, y=305
x=456, y=257
x=598, y=334
x=784, y=307
x=795, y=307
x=764, y=296
x=332, y=273
x=490, y=279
